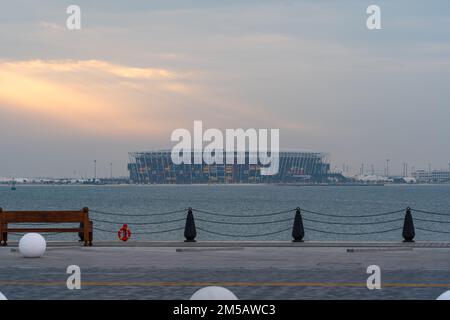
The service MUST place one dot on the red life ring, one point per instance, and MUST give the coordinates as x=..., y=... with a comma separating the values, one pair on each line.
x=124, y=233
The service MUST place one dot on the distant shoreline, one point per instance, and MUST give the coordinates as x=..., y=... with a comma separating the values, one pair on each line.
x=18, y=185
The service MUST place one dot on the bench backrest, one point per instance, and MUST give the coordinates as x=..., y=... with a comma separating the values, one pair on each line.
x=44, y=216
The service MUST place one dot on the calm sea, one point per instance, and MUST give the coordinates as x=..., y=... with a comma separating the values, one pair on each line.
x=242, y=200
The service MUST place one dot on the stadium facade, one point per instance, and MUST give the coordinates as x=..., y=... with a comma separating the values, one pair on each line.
x=156, y=167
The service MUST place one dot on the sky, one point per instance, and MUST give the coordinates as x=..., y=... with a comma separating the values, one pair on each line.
x=137, y=70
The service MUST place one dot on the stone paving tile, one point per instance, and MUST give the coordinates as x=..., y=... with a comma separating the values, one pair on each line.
x=222, y=275
x=255, y=265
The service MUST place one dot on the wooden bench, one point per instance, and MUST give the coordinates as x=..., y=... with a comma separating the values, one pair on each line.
x=85, y=230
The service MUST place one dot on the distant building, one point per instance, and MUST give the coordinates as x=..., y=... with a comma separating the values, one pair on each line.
x=435, y=176
x=157, y=167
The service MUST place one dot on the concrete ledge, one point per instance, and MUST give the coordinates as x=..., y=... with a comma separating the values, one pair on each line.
x=243, y=244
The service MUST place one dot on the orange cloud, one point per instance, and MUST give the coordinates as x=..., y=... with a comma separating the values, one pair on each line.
x=91, y=95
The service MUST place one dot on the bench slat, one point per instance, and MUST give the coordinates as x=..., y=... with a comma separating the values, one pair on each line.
x=43, y=216
x=44, y=230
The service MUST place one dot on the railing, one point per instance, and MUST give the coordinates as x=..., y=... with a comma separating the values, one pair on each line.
x=298, y=220
x=279, y=222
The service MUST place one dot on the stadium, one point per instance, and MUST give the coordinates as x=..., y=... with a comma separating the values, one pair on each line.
x=156, y=167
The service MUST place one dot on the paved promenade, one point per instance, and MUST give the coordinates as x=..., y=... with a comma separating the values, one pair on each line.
x=252, y=270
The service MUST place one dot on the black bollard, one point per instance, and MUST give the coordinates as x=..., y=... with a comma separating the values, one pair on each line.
x=298, y=232
x=408, y=227
x=189, y=230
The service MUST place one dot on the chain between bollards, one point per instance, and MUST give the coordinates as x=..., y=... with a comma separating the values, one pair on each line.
x=298, y=229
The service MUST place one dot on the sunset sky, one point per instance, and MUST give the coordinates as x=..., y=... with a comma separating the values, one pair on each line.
x=137, y=70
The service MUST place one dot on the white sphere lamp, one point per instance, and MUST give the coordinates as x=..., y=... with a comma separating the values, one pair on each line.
x=444, y=296
x=32, y=245
x=213, y=293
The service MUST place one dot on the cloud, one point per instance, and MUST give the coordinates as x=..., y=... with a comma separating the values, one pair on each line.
x=45, y=66
x=51, y=26
x=91, y=95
